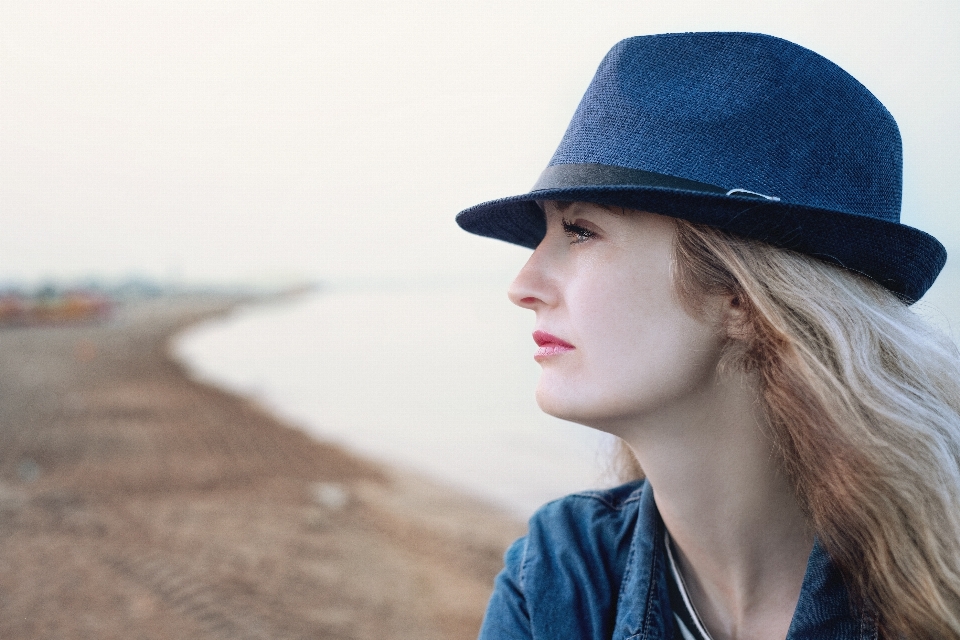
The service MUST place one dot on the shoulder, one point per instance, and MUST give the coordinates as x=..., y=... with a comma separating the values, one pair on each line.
x=563, y=578
x=591, y=520
x=584, y=529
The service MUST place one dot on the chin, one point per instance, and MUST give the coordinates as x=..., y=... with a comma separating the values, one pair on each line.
x=570, y=407
x=555, y=404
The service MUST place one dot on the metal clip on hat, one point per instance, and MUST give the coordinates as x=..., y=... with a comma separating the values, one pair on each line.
x=745, y=132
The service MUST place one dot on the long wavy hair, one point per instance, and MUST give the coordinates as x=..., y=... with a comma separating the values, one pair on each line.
x=863, y=400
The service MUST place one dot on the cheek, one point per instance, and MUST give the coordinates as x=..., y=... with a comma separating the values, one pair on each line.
x=628, y=315
x=645, y=347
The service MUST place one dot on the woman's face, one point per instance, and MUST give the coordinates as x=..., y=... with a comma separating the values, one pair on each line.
x=614, y=341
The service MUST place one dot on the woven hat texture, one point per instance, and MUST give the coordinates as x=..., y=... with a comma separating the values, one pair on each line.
x=746, y=132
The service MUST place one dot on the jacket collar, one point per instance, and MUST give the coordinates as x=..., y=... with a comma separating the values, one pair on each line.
x=643, y=607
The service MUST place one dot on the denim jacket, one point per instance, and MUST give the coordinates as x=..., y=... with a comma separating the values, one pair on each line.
x=592, y=568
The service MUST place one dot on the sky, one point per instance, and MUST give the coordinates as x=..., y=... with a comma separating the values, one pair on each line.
x=262, y=142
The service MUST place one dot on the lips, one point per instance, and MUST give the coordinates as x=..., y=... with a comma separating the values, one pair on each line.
x=549, y=345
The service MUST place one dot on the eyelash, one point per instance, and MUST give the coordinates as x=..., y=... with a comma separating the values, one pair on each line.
x=576, y=232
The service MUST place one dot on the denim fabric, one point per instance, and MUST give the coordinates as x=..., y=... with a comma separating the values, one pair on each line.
x=592, y=567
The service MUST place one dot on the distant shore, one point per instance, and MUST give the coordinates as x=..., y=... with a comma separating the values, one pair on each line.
x=136, y=502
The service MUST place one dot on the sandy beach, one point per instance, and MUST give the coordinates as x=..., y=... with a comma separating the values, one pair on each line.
x=136, y=502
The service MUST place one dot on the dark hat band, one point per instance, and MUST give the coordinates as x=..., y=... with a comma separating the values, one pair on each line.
x=565, y=176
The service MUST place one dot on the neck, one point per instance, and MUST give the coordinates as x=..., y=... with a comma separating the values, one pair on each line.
x=742, y=538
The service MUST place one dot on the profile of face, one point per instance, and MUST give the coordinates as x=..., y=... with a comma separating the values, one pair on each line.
x=615, y=342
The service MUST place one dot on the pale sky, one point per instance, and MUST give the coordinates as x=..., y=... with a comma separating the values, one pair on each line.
x=216, y=141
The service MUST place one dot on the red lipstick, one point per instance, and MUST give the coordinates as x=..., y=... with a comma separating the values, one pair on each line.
x=549, y=345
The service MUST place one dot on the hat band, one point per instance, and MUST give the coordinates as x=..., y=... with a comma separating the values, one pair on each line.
x=572, y=176
x=566, y=176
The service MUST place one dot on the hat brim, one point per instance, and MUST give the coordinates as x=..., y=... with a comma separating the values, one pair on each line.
x=903, y=259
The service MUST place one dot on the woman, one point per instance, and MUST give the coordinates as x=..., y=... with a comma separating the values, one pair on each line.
x=720, y=278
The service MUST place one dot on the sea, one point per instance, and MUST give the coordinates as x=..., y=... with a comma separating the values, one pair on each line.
x=436, y=378
x=432, y=376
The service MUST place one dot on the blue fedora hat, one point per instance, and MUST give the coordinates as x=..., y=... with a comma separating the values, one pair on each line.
x=745, y=132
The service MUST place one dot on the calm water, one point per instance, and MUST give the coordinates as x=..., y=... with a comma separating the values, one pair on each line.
x=434, y=377
x=439, y=379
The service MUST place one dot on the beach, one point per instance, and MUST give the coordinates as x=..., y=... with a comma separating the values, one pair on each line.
x=137, y=501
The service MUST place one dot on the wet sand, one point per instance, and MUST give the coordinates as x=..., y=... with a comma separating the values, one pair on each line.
x=135, y=502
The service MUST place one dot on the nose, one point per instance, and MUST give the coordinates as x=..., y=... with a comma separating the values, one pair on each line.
x=532, y=288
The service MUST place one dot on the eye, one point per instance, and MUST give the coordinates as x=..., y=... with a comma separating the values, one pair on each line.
x=576, y=233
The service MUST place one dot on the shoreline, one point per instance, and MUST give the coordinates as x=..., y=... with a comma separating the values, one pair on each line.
x=134, y=498
x=388, y=376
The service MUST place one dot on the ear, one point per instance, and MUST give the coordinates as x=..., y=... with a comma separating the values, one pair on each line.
x=736, y=319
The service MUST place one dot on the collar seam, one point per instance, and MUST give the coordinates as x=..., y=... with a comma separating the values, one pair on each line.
x=601, y=498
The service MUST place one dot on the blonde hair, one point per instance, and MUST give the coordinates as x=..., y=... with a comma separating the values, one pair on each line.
x=863, y=399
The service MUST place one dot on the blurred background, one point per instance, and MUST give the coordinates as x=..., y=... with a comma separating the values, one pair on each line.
x=212, y=141
x=212, y=150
